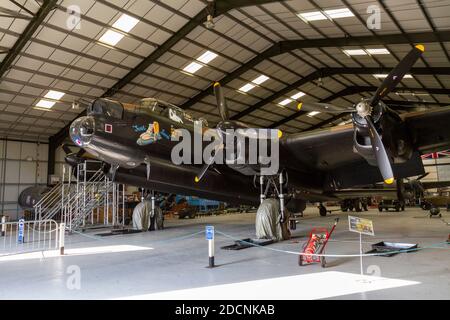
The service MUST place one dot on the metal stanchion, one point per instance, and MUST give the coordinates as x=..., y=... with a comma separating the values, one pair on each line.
x=209, y=233
x=62, y=229
x=3, y=226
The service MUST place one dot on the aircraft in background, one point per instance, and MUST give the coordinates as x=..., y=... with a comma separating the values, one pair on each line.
x=135, y=141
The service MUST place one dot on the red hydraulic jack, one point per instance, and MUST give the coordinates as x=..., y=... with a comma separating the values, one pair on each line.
x=318, y=239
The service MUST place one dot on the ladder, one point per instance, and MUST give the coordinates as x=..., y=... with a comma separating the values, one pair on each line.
x=80, y=200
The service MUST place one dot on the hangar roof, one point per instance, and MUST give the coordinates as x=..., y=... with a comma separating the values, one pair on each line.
x=299, y=46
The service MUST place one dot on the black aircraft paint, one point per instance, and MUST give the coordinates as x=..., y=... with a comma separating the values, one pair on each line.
x=315, y=164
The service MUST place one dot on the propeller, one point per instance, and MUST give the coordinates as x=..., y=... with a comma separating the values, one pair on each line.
x=221, y=102
x=225, y=124
x=396, y=75
x=365, y=107
x=323, y=107
x=384, y=165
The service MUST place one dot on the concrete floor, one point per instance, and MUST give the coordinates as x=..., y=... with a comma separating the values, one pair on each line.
x=160, y=264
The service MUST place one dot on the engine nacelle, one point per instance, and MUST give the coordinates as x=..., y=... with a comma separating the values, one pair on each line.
x=392, y=130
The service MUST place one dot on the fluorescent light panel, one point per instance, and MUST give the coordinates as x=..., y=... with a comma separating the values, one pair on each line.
x=376, y=51
x=339, y=13
x=298, y=95
x=247, y=87
x=111, y=37
x=262, y=78
x=355, y=52
x=312, y=16
x=285, y=102
x=125, y=23
x=47, y=104
x=364, y=52
x=257, y=81
x=54, y=95
x=207, y=57
x=313, y=113
x=326, y=14
x=192, y=67
x=382, y=76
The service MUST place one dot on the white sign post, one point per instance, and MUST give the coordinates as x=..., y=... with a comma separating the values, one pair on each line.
x=361, y=226
x=209, y=234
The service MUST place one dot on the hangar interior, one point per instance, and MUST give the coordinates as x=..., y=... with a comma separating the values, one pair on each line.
x=270, y=57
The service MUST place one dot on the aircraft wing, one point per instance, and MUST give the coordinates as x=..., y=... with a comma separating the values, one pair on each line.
x=331, y=150
x=435, y=184
x=365, y=192
x=327, y=149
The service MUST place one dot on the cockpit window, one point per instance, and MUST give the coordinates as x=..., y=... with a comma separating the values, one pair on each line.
x=151, y=104
x=109, y=108
x=165, y=109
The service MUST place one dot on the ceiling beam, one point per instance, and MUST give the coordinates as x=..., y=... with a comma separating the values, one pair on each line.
x=327, y=72
x=351, y=91
x=26, y=35
x=289, y=45
x=220, y=7
x=411, y=103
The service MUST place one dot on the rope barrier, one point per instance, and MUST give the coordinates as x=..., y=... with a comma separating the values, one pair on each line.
x=191, y=235
x=186, y=236
x=433, y=246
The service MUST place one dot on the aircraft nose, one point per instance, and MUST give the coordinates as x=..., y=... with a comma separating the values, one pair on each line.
x=82, y=130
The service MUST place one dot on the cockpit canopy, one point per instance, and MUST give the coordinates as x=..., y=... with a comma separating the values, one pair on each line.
x=107, y=107
x=146, y=106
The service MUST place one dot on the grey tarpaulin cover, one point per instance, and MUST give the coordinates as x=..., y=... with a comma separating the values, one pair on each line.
x=268, y=221
x=142, y=214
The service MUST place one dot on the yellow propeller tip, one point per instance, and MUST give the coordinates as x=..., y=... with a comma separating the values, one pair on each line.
x=280, y=134
x=216, y=84
x=299, y=106
x=389, y=181
x=421, y=47
x=197, y=179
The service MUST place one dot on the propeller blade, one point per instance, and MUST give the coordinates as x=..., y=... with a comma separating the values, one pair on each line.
x=422, y=176
x=397, y=74
x=208, y=163
x=384, y=165
x=66, y=149
x=322, y=107
x=81, y=152
x=221, y=101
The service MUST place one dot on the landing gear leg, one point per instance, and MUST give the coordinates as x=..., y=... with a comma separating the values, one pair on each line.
x=262, y=195
x=272, y=183
x=322, y=210
x=281, y=196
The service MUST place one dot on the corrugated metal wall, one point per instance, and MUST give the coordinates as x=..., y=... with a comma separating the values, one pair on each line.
x=22, y=164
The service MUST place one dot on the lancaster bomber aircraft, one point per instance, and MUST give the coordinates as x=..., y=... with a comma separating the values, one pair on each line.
x=135, y=142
